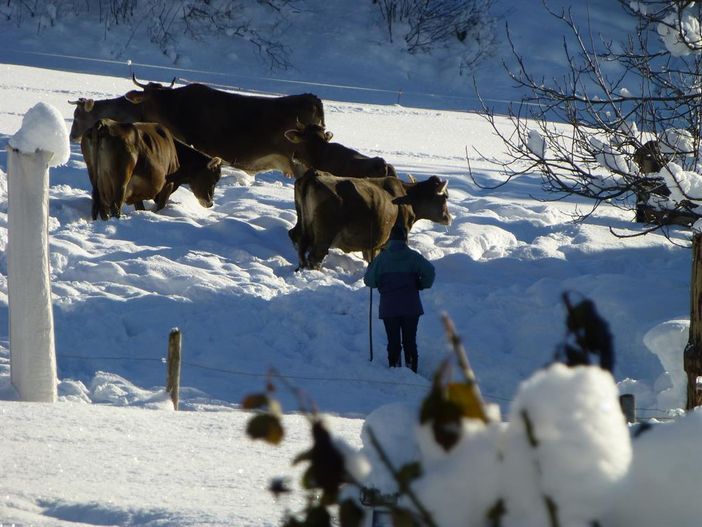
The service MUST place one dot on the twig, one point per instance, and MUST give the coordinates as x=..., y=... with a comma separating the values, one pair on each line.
x=406, y=489
x=465, y=365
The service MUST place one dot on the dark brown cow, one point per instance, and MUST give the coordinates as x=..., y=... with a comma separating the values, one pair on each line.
x=314, y=150
x=245, y=131
x=88, y=112
x=132, y=162
x=357, y=214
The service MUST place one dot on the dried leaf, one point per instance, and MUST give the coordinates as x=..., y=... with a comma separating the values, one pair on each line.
x=350, y=514
x=317, y=517
x=402, y=518
x=408, y=473
x=466, y=398
x=255, y=401
x=266, y=427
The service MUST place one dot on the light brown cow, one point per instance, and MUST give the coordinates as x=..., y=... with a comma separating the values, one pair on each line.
x=354, y=214
x=133, y=162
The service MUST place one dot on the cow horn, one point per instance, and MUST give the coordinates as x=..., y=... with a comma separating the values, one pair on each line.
x=442, y=188
x=173, y=82
x=214, y=163
x=79, y=101
x=143, y=86
x=411, y=178
x=299, y=124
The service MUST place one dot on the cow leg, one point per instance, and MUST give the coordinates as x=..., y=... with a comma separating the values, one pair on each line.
x=302, y=247
x=164, y=194
x=294, y=234
x=317, y=254
x=95, y=210
x=122, y=186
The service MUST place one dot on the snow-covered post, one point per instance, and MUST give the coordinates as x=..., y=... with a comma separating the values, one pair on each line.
x=42, y=141
x=692, y=357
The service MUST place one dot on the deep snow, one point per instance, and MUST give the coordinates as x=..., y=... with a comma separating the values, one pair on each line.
x=225, y=276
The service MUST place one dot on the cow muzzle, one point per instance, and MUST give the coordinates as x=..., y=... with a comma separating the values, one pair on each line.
x=207, y=203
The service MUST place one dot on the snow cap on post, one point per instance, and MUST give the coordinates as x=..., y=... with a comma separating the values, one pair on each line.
x=43, y=128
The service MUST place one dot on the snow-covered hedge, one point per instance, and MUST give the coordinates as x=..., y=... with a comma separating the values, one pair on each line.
x=565, y=456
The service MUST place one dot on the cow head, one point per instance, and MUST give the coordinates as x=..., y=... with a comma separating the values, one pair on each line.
x=139, y=97
x=153, y=85
x=312, y=133
x=82, y=118
x=428, y=199
x=307, y=140
x=204, y=184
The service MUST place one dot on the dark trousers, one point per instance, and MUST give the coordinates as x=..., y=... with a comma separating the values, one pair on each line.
x=402, y=334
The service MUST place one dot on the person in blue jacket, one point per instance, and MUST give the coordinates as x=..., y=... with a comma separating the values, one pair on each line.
x=400, y=273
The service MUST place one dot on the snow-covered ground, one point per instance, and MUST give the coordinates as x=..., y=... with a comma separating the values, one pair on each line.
x=225, y=276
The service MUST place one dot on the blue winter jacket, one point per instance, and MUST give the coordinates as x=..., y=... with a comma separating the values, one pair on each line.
x=399, y=273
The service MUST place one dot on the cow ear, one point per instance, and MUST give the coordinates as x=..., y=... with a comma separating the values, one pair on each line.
x=214, y=163
x=293, y=136
x=328, y=136
x=88, y=105
x=135, y=96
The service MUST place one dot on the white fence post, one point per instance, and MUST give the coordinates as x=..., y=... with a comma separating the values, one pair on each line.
x=32, y=351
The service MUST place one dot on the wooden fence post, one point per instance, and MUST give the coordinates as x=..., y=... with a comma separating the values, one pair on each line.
x=692, y=357
x=628, y=403
x=173, y=365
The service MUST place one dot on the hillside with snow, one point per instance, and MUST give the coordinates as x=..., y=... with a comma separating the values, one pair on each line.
x=112, y=453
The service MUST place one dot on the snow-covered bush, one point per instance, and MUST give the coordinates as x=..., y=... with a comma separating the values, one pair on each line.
x=680, y=30
x=564, y=457
x=426, y=24
x=165, y=22
x=647, y=111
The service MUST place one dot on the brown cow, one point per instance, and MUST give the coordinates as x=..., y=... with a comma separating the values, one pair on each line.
x=354, y=214
x=314, y=150
x=246, y=131
x=132, y=162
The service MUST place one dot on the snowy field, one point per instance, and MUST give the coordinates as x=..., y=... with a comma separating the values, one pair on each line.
x=110, y=452
x=225, y=276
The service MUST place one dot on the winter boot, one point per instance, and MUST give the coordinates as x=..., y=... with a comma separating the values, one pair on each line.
x=411, y=362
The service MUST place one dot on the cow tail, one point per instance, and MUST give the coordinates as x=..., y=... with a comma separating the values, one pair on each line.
x=370, y=298
x=303, y=235
x=97, y=201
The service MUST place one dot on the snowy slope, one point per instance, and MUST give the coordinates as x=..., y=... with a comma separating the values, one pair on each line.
x=225, y=276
